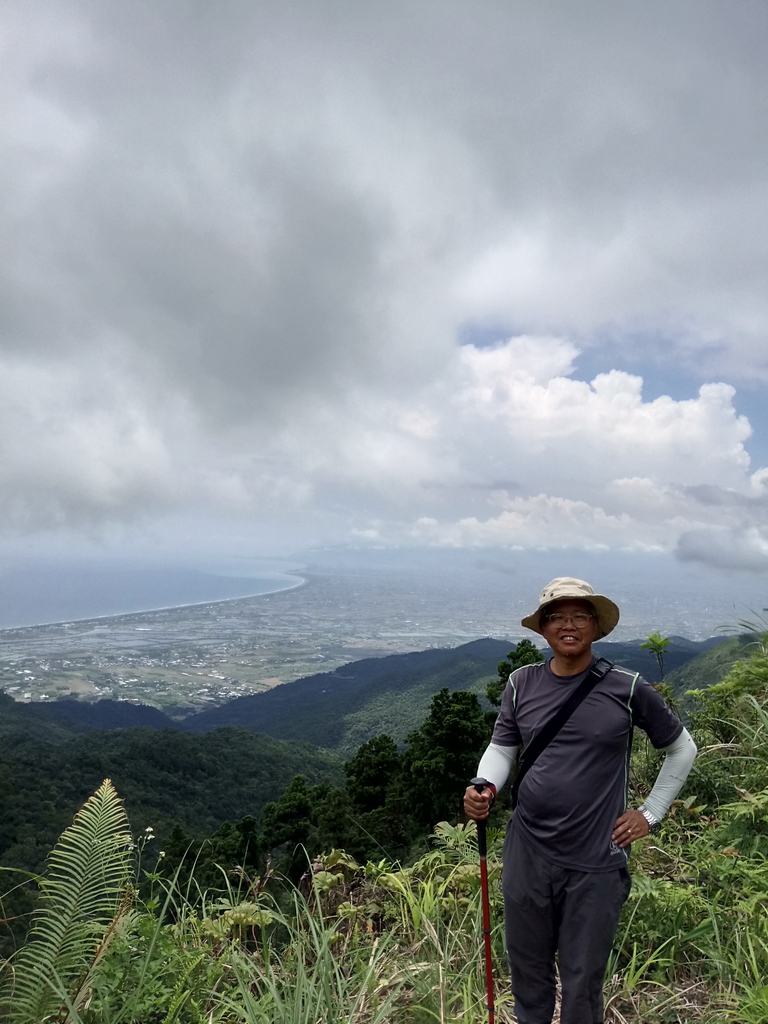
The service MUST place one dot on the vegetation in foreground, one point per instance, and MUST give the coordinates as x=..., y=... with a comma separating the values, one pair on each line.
x=114, y=940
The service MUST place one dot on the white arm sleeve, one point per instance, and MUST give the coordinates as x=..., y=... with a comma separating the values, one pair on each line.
x=496, y=764
x=672, y=775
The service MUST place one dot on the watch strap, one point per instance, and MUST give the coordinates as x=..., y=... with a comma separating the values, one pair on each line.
x=653, y=822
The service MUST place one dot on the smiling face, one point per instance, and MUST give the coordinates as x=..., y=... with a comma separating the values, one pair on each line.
x=567, y=631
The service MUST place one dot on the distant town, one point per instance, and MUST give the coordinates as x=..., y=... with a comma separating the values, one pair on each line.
x=184, y=659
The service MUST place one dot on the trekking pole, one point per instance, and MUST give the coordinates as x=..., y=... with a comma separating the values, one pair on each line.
x=482, y=849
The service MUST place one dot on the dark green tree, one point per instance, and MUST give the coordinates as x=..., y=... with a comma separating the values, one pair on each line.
x=371, y=771
x=442, y=755
x=335, y=819
x=657, y=645
x=234, y=847
x=525, y=653
x=288, y=826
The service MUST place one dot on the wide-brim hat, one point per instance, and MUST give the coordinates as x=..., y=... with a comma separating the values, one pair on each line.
x=567, y=587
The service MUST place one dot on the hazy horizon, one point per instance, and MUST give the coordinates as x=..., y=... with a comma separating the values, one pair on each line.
x=493, y=589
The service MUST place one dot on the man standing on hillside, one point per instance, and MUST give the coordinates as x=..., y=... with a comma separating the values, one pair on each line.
x=565, y=876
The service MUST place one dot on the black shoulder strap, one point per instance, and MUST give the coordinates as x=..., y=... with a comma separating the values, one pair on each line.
x=542, y=739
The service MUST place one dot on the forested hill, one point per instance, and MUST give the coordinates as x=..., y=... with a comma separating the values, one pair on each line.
x=342, y=709
x=165, y=777
x=81, y=715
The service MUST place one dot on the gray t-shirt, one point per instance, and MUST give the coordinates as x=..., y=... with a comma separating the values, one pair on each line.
x=570, y=799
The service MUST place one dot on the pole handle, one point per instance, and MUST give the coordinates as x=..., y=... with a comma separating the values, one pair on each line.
x=480, y=785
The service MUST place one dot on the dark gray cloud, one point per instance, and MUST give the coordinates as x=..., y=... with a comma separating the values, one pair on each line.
x=242, y=240
x=755, y=501
x=744, y=549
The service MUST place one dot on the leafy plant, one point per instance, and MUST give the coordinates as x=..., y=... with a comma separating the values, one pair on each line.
x=657, y=645
x=83, y=895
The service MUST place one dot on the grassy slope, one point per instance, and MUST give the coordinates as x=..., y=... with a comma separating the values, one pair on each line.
x=710, y=667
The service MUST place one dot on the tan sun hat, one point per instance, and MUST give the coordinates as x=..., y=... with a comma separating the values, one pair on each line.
x=568, y=587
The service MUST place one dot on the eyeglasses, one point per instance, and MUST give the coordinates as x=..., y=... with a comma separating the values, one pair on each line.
x=578, y=619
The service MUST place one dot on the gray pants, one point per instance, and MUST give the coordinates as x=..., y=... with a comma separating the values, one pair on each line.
x=550, y=910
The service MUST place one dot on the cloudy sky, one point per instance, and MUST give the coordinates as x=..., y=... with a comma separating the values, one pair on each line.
x=485, y=274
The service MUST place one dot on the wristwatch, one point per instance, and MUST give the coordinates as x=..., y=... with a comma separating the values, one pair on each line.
x=654, y=825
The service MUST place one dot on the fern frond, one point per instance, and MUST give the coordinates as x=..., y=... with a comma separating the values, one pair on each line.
x=80, y=894
x=123, y=915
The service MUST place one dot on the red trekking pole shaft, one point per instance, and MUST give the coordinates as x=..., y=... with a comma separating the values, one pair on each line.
x=482, y=849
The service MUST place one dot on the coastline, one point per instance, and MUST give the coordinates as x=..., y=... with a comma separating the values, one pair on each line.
x=296, y=582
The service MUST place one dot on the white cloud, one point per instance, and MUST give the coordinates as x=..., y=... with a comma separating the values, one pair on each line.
x=78, y=446
x=540, y=521
x=562, y=426
x=506, y=414
x=500, y=449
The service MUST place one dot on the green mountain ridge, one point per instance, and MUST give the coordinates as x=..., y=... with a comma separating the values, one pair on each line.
x=342, y=709
x=339, y=710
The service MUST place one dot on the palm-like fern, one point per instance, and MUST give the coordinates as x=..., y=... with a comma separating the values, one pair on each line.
x=82, y=892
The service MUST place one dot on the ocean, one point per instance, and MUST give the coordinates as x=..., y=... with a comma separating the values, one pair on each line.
x=39, y=592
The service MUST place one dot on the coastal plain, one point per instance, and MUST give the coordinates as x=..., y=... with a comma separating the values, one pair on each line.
x=185, y=659
x=182, y=660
